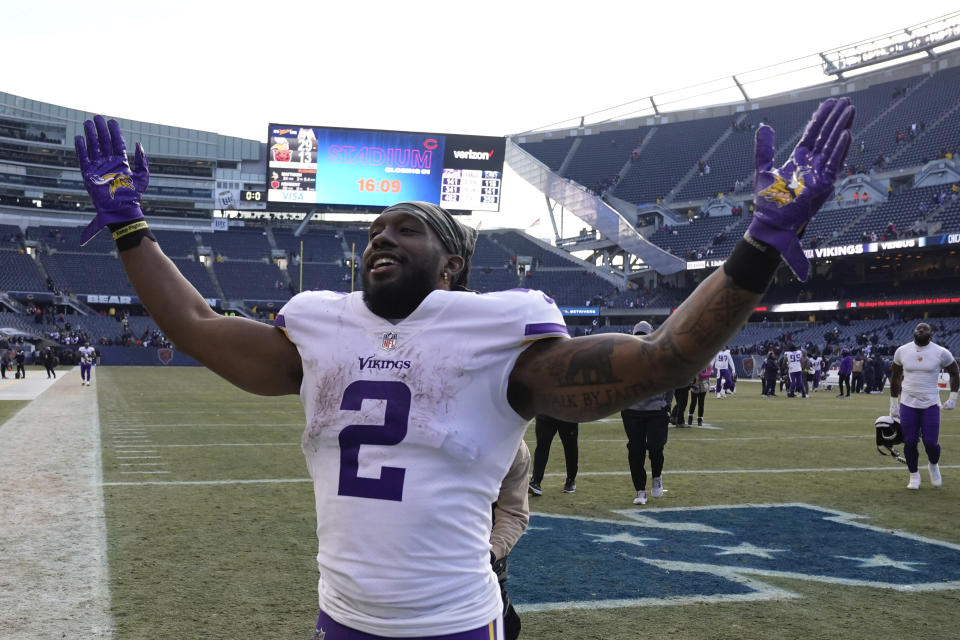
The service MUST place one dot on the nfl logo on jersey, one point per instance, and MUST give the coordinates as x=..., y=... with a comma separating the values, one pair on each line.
x=388, y=341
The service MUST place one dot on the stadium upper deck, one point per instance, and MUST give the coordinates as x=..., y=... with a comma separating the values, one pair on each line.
x=694, y=169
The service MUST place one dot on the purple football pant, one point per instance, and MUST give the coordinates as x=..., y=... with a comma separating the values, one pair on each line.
x=796, y=382
x=328, y=629
x=85, y=371
x=816, y=379
x=917, y=424
x=724, y=380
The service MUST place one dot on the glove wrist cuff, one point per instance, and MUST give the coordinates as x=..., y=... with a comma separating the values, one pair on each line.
x=128, y=235
x=752, y=264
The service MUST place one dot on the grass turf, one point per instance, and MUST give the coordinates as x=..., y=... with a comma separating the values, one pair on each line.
x=236, y=560
x=10, y=407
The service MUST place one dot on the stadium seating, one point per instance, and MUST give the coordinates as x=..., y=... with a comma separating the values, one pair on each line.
x=68, y=239
x=522, y=245
x=672, y=152
x=239, y=244
x=316, y=276
x=318, y=246
x=178, y=244
x=87, y=273
x=246, y=280
x=551, y=152
x=19, y=272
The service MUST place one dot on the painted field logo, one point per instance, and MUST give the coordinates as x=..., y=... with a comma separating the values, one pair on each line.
x=165, y=355
x=714, y=554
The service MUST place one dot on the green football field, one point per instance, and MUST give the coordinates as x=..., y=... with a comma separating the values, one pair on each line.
x=210, y=519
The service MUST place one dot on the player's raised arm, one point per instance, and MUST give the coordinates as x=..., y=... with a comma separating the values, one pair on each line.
x=591, y=377
x=253, y=356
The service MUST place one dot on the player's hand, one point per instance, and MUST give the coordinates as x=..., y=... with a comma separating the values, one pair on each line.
x=114, y=187
x=895, y=408
x=951, y=402
x=786, y=199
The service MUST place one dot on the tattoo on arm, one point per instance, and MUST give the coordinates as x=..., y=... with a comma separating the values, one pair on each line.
x=597, y=375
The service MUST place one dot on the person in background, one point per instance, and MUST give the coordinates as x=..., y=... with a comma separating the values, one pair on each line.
x=846, y=368
x=769, y=371
x=726, y=371
x=87, y=355
x=915, y=399
x=698, y=395
x=646, y=425
x=20, y=357
x=681, y=396
x=511, y=515
x=795, y=363
x=545, y=429
x=50, y=362
x=816, y=367
x=857, y=373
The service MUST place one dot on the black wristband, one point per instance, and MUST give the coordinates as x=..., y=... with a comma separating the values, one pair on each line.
x=752, y=264
x=129, y=234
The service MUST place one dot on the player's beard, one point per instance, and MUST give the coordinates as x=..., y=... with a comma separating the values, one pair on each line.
x=398, y=298
x=921, y=341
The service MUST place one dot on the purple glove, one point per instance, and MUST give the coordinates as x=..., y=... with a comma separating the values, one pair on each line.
x=786, y=199
x=114, y=188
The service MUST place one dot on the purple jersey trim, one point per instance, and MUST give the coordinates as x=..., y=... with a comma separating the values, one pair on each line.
x=542, y=328
x=280, y=321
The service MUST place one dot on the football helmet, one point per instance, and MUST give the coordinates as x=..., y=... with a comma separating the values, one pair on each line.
x=888, y=435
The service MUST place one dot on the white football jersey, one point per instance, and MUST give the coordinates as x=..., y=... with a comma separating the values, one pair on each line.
x=87, y=354
x=723, y=360
x=408, y=436
x=794, y=360
x=921, y=373
x=815, y=364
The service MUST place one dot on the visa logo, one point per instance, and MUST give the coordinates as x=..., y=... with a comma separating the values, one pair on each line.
x=292, y=195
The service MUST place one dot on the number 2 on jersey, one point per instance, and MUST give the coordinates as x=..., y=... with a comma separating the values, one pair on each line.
x=389, y=486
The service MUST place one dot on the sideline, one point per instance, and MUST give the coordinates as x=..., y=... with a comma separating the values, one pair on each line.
x=53, y=569
x=32, y=386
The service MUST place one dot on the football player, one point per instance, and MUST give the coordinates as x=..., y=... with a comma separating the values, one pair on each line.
x=87, y=355
x=417, y=391
x=725, y=369
x=795, y=364
x=816, y=367
x=915, y=399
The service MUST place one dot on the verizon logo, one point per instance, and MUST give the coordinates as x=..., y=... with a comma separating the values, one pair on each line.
x=470, y=154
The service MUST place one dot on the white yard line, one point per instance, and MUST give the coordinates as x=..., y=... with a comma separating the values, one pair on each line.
x=183, y=483
x=53, y=565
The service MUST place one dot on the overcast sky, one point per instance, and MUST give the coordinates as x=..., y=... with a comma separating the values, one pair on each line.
x=489, y=68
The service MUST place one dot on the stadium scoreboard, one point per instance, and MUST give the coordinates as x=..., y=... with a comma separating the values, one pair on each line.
x=310, y=165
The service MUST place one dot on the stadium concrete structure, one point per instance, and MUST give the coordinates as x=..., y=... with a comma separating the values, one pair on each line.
x=663, y=198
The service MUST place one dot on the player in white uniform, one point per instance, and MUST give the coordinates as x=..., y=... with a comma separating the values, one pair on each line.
x=417, y=391
x=914, y=378
x=795, y=362
x=390, y=422
x=87, y=356
x=816, y=363
x=726, y=370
